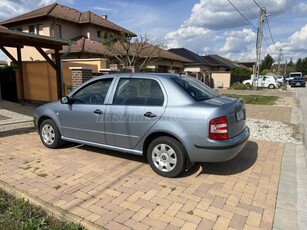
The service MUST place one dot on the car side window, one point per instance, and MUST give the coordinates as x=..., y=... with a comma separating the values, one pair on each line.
x=93, y=93
x=138, y=92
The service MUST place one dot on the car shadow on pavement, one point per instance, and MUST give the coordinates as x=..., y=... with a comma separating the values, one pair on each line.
x=18, y=131
x=113, y=153
x=243, y=161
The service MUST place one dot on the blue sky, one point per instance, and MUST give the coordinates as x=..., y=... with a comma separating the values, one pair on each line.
x=203, y=26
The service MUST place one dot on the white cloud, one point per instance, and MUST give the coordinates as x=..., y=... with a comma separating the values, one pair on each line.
x=302, y=9
x=188, y=35
x=217, y=15
x=299, y=38
x=220, y=18
x=238, y=41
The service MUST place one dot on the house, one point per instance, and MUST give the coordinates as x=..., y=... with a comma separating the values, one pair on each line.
x=219, y=63
x=210, y=68
x=83, y=30
x=278, y=69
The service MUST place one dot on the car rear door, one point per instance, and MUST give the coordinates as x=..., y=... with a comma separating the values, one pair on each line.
x=138, y=103
x=83, y=118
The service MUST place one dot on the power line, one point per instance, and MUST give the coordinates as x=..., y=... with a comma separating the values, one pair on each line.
x=267, y=21
x=257, y=4
x=242, y=15
x=249, y=8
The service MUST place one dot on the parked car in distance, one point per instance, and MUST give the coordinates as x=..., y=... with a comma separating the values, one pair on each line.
x=172, y=120
x=298, y=82
x=292, y=75
x=263, y=82
x=280, y=79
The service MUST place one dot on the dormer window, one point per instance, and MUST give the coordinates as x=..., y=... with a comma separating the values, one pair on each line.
x=31, y=29
x=57, y=31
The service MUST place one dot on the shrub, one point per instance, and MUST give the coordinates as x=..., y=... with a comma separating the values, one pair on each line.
x=240, y=86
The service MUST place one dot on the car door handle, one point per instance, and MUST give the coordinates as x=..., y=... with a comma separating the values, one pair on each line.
x=98, y=111
x=149, y=114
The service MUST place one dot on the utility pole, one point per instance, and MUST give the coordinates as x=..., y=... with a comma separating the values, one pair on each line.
x=262, y=13
x=279, y=59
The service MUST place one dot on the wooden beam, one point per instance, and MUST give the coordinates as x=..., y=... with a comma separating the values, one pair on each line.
x=22, y=96
x=7, y=53
x=59, y=73
x=48, y=59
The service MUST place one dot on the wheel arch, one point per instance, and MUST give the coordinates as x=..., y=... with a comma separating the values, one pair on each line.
x=155, y=135
x=46, y=117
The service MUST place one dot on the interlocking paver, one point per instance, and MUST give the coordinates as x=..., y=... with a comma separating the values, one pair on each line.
x=115, y=190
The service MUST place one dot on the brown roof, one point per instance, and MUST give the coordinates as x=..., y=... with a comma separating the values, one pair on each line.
x=69, y=14
x=3, y=28
x=163, y=54
x=82, y=44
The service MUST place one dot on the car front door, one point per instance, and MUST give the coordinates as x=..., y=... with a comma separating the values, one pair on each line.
x=137, y=105
x=83, y=118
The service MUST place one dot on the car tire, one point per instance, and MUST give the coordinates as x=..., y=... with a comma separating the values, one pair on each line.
x=271, y=86
x=166, y=156
x=50, y=134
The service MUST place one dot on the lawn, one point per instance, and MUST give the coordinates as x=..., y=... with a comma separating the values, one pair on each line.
x=255, y=99
x=19, y=214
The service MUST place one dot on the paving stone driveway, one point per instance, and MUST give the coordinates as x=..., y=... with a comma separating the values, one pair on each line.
x=119, y=191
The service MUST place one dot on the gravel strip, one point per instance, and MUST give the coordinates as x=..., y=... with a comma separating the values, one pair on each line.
x=274, y=131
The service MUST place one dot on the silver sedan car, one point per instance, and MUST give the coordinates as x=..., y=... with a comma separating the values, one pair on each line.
x=171, y=120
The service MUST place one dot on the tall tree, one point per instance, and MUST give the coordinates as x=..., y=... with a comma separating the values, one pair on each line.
x=290, y=63
x=266, y=63
x=132, y=51
x=298, y=65
x=304, y=66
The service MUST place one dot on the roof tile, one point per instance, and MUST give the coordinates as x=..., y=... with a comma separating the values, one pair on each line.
x=66, y=13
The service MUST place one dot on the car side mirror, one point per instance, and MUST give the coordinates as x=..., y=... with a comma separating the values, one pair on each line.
x=65, y=100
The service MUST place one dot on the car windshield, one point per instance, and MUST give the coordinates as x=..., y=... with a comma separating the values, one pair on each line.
x=197, y=89
x=296, y=75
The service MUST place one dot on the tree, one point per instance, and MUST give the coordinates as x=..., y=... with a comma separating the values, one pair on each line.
x=132, y=51
x=298, y=65
x=290, y=64
x=242, y=72
x=266, y=63
x=304, y=66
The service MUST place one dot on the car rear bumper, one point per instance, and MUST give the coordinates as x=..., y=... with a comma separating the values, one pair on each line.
x=221, y=151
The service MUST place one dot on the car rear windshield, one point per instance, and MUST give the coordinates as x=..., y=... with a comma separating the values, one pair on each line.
x=195, y=88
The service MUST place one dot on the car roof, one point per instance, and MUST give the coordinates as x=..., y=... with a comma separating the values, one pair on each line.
x=140, y=75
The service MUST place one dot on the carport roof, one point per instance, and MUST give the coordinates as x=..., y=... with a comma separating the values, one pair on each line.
x=12, y=38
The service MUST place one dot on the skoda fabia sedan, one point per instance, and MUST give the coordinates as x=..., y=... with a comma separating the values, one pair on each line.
x=171, y=120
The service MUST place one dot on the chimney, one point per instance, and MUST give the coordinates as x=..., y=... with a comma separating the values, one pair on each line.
x=104, y=16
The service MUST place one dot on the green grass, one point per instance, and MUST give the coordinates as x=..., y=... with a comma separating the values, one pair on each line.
x=255, y=99
x=19, y=214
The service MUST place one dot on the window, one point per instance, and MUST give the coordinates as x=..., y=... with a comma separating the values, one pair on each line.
x=99, y=34
x=94, y=93
x=138, y=92
x=195, y=88
x=19, y=29
x=40, y=29
x=31, y=29
x=57, y=31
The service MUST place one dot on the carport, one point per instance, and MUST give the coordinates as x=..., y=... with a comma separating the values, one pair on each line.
x=16, y=39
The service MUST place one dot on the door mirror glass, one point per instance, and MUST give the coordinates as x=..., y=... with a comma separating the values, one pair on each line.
x=65, y=100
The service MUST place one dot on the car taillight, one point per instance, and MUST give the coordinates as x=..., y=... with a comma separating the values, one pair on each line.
x=218, y=128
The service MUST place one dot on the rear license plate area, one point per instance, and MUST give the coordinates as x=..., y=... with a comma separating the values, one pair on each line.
x=240, y=115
